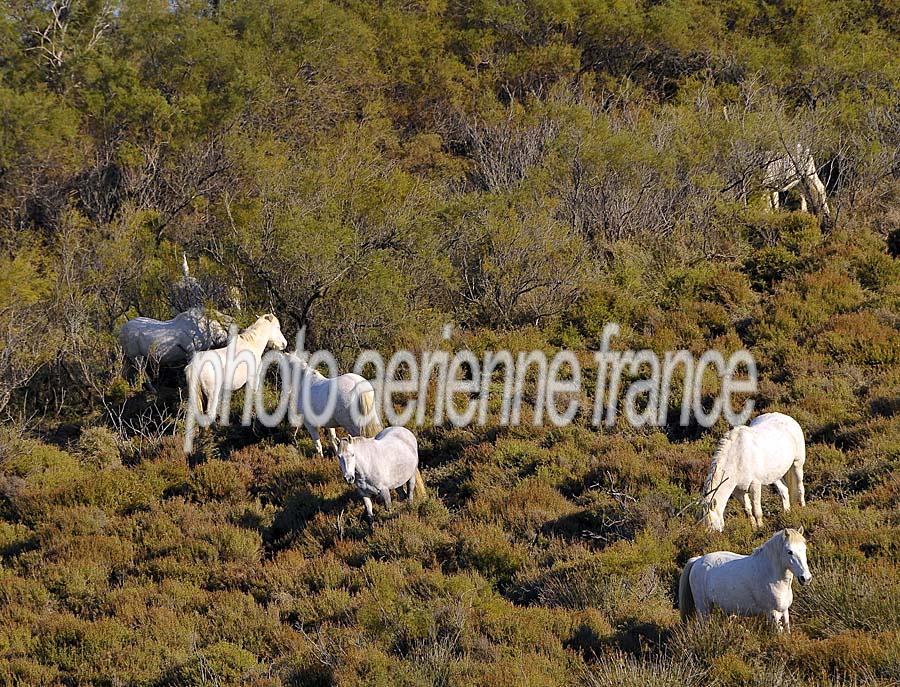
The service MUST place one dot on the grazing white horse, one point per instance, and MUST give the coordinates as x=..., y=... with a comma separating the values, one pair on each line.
x=375, y=466
x=169, y=342
x=758, y=584
x=253, y=341
x=354, y=402
x=796, y=168
x=764, y=452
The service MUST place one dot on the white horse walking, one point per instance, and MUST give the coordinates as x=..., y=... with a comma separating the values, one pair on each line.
x=145, y=340
x=758, y=584
x=207, y=372
x=764, y=452
x=796, y=168
x=375, y=466
x=353, y=405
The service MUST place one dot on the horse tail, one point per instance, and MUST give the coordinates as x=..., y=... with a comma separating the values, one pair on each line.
x=685, y=594
x=372, y=424
x=420, y=484
x=197, y=395
x=197, y=386
x=793, y=474
x=793, y=485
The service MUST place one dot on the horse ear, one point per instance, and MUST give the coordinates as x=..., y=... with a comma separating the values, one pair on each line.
x=800, y=530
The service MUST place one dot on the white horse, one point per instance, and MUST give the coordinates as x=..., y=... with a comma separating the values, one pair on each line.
x=764, y=452
x=375, y=466
x=354, y=402
x=758, y=584
x=796, y=168
x=201, y=372
x=169, y=342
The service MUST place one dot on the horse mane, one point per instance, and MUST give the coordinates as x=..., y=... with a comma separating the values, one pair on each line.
x=715, y=476
x=253, y=331
x=793, y=536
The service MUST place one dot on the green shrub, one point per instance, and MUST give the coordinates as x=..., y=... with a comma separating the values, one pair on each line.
x=848, y=655
x=222, y=664
x=488, y=550
x=704, y=641
x=219, y=480
x=406, y=536
x=849, y=597
x=860, y=338
x=25, y=671
x=625, y=670
x=796, y=232
x=99, y=448
x=768, y=266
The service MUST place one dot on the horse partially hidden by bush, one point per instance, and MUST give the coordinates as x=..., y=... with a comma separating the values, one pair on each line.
x=796, y=168
x=375, y=466
x=758, y=584
x=353, y=402
x=170, y=342
x=764, y=452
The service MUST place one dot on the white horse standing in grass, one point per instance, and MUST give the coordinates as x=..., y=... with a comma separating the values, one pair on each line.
x=758, y=584
x=769, y=449
x=375, y=466
x=353, y=406
x=796, y=169
x=201, y=373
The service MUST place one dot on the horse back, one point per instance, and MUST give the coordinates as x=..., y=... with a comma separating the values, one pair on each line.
x=781, y=433
x=391, y=458
x=396, y=444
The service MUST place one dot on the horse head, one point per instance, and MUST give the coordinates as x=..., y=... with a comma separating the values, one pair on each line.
x=793, y=554
x=711, y=516
x=347, y=459
x=276, y=338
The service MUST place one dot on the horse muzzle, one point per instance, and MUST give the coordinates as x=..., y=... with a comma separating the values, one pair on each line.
x=805, y=579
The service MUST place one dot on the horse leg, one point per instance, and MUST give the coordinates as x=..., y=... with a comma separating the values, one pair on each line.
x=756, y=495
x=334, y=442
x=386, y=497
x=317, y=442
x=129, y=371
x=748, y=508
x=775, y=617
x=784, y=493
x=803, y=202
x=786, y=620
x=801, y=491
x=821, y=202
x=410, y=488
x=702, y=606
x=773, y=200
x=213, y=402
x=370, y=514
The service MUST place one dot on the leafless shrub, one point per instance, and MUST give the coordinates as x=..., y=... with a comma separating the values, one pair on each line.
x=625, y=670
x=505, y=149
